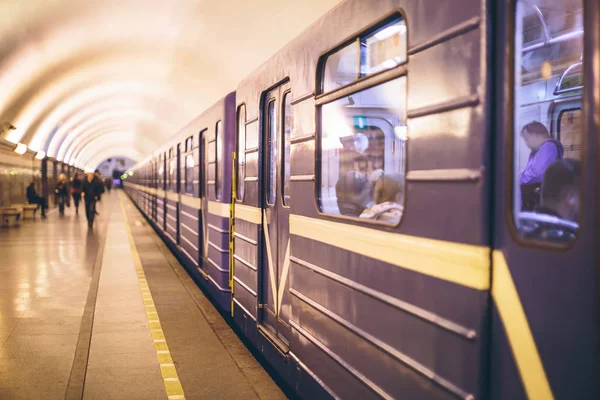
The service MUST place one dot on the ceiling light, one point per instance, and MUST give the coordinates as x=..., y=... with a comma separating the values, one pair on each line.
x=21, y=148
x=40, y=155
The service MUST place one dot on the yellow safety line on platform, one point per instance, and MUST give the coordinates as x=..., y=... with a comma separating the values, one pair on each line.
x=167, y=367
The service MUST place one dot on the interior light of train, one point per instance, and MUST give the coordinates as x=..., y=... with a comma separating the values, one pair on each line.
x=189, y=162
x=401, y=132
x=390, y=31
x=331, y=143
x=21, y=148
x=40, y=155
x=389, y=64
x=546, y=71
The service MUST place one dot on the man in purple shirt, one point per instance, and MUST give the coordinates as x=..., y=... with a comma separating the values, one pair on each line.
x=544, y=151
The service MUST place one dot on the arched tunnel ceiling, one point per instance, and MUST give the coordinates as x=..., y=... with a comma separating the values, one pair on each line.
x=87, y=80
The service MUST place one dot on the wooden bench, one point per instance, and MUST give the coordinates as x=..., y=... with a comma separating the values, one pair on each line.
x=10, y=216
x=29, y=210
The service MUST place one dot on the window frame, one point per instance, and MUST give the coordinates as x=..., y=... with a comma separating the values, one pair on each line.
x=284, y=96
x=202, y=163
x=509, y=141
x=163, y=174
x=188, y=147
x=241, y=180
x=186, y=168
x=361, y=83
x=559, y=117
x=171, y=179
x=357, y=38
x=271, y=186
x=218, y=182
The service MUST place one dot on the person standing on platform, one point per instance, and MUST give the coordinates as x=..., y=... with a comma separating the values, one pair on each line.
x=99, y=185
x=76, y=184
x=89, y=190
x=62, y=193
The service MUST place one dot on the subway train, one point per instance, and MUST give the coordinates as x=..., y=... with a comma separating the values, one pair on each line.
x=361, y=204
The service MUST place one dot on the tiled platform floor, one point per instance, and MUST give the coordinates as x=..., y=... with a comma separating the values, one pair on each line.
x=52, y=345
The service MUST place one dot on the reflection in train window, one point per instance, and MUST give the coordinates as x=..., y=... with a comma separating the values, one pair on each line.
x=172, y=175
x=272, y=149
x=189, y=174
x=380, y=50
x=218, y=163
x=203, y=163
x=341, y=68
x=547, y=133
x=241, y=152
x=285, y=156
x=363, y=147
x=161, y=171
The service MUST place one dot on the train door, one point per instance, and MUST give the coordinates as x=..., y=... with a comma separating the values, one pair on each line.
x=178, y=189
x=153, y=185
x=276, y=211
x=545, y=259
x=162, y=172
x=204, y=194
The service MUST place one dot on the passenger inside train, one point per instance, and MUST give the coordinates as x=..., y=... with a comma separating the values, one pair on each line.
x=354, y=193
x=388, y=191
x=560, y=190
x=545, y=150
x=555, y=219
x=548, y=113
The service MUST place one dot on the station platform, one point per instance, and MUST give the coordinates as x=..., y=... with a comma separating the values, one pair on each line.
x=109, y=313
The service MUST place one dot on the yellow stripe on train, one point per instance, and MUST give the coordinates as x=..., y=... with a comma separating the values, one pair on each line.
x=463, y=264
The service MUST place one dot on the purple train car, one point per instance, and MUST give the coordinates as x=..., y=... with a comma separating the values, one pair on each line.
x=415, y=201
x=185, y=191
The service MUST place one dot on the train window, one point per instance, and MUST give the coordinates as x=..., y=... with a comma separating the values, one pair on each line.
x=189, y=174
x=159, y=173
x=341, y=67
x=285, y=159
x=172, y=175
x=272, y=149
x=162, y=171
x=189, y=143
x=241, y=152
x=376, y=51
x=363, y=146
x=218, y=163
x=569, y=131
x=203, y=162
x=546, y=162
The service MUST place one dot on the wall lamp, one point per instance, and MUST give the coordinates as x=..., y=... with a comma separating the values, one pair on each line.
x=21, y=148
